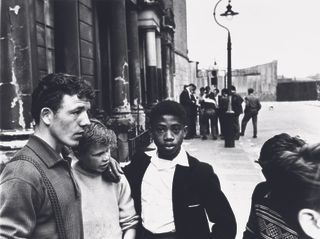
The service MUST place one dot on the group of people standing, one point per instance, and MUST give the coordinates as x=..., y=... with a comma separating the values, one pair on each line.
x=63, y=184
x=212, y=108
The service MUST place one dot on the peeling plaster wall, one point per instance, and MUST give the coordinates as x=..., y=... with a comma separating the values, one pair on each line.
x=15, y=83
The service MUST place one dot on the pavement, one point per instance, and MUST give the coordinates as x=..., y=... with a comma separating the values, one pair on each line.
x=236, y=169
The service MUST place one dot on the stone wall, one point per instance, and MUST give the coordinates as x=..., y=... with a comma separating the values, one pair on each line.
x=262, y=78
x=185, y=70
x=186, y=73
x=180, y=18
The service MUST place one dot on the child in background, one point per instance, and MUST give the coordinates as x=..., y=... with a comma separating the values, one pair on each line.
x=107, y=207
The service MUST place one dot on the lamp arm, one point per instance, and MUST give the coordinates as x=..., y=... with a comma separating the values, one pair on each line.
x=214, y=15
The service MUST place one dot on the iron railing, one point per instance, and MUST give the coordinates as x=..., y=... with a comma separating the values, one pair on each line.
x=138, y=142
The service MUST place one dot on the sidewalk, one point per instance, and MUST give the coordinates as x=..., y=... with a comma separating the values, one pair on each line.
x=235, y=168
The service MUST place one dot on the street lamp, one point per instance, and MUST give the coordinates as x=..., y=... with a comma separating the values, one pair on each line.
x=229, y=134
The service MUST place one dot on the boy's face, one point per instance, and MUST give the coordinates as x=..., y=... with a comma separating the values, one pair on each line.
x=96, y=158
x=168, y=133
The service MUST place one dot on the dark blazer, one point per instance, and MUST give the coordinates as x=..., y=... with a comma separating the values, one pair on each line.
x=185, y=99
x=196, y=191
x=237, y=104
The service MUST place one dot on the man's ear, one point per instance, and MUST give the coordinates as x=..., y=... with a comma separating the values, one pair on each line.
x=309, y=221
x=185, y=130
x=46, y=115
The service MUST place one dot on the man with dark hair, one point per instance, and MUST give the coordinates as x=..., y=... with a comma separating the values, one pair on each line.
x=251, y=112
x=307, y=169
x=173, y=191
x=39, y=197
x=288, y=202
x=223, y=107
x=238, y=110
x=268, y=201
x=188, y=101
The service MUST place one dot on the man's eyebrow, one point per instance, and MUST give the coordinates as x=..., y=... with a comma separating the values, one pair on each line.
x=78, y=108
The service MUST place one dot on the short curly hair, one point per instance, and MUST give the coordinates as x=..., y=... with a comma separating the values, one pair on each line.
x=168, y=107
x=96, y=133
x=53, y=87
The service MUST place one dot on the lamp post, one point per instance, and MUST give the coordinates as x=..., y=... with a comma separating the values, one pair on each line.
x=229, y=132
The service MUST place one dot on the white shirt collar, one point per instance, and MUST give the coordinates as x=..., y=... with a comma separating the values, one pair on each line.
x=163, y=164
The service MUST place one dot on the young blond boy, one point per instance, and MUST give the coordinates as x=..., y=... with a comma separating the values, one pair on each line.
x=107, y=207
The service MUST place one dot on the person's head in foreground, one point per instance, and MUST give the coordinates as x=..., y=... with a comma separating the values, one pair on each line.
x=168, y=127
x=60, y=105
x=94, y=147
x=306, y=171
x=292, y=167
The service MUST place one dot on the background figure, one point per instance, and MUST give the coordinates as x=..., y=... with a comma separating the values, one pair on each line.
x=216, y=95
x=237, y=108
x=210, y=113
x=39, y=197
x=188, y=101
x=251, y=112
x=223, y=107
x=203, y=125
x=107, y=207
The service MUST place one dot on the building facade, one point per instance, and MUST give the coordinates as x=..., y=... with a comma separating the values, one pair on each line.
x=124, y=48
x=185, y=69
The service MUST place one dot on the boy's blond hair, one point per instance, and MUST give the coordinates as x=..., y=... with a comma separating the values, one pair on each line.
x=96, y=133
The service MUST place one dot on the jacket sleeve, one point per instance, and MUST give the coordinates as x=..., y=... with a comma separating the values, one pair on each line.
x=128, y=217
x=218, y=209
x=252, y=230
x=18, y=202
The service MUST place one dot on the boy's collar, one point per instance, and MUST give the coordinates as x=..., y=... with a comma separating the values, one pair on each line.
x=180, y=159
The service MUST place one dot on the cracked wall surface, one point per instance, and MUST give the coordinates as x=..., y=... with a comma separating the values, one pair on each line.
x=15, y=84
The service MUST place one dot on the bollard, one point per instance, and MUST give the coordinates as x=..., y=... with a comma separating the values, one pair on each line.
x=229, y=131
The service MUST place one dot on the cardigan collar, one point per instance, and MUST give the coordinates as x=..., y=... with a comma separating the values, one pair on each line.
x=45, y=152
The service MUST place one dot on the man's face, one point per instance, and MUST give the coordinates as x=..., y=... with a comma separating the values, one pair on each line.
x=96, y=158
x=66, y=126
x=168, y=134
x=192, y=89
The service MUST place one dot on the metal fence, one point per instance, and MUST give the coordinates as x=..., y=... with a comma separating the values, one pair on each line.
x=138, y=142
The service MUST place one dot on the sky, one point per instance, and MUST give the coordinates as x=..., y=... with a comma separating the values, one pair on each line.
x=265, y=30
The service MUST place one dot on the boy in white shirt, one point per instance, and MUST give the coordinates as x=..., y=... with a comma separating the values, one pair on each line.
x=173, y=191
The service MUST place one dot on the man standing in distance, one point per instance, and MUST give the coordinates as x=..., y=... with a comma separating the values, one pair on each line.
x=238, y=110
x=39, y=197
x=188, y=101
x=251, y=112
